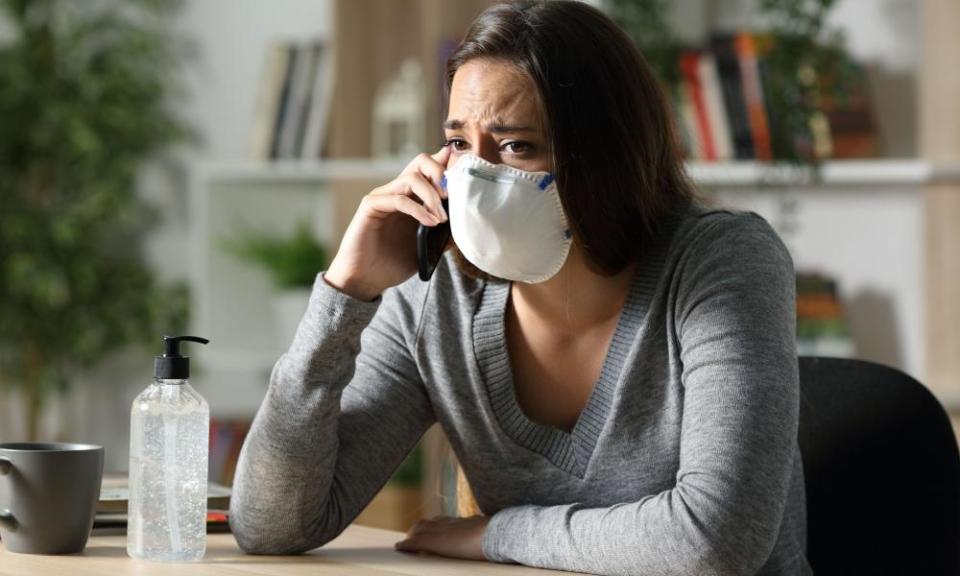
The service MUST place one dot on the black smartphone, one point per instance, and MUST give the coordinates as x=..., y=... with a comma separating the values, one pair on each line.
x=431, y=242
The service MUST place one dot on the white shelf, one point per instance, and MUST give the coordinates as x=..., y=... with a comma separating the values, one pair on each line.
x=301, y=171
x=884, y=172
x=853, y=173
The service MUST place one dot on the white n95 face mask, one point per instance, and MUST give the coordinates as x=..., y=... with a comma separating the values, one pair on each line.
x=507, y=222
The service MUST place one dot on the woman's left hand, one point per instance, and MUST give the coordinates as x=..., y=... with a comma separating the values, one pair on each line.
x=447, y=536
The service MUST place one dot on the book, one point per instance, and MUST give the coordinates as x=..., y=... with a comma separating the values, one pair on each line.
x=732, y=102
x=239, y=433
x=221, y=437
x=269, y=94
x=115, y=492
x=731, y=84
x=283, y=104
x=217, y=521
x=689, y=68
x=716, y=113
x=318, y=113
x=753, y=95
x=786, y=106
x=297, y=98
x=822, y=326
x=226, y=441
x=688, y=123
x=845, y=101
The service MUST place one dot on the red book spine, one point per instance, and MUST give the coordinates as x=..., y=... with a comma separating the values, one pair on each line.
x=753, y=94
x=691, y=76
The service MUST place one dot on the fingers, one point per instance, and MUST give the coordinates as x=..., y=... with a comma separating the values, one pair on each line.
x=415, y=184
x=432, y=168
x=416, y=542
x=389, y=203
x=446, y=536
x=424, y=526
x=429, y=194
x=442, y=157
x=421, y=179
x=412, y=541
x=406, y=546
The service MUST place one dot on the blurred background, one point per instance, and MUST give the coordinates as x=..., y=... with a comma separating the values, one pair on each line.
x=189, y=166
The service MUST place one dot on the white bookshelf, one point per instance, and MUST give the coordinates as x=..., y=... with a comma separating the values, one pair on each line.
x=286, y=171
x=880, y=172
x=840, y=173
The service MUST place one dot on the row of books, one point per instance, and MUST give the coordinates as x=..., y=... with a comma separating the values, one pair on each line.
x=725, y=108
x=226, y=439
x=293, y=102
x=822, y=325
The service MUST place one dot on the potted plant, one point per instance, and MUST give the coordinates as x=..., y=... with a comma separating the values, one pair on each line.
x=803, y=48
x=647, y=23
x=84, y=91
x=292, y=262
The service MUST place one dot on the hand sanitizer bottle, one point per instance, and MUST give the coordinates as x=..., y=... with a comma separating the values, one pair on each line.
x=169, y=439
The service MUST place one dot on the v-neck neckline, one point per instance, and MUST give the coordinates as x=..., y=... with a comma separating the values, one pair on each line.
x=569, y=451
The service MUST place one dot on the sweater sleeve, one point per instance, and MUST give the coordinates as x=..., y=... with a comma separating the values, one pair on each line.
x=344, y=407
x=734, y=318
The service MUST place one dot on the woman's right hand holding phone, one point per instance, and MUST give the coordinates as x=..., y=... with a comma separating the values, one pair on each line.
x=378, y=249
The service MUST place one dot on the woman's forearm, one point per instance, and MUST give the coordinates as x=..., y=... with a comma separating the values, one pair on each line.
x=306, y=469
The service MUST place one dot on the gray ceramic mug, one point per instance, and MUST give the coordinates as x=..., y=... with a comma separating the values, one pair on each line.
x=48, y=496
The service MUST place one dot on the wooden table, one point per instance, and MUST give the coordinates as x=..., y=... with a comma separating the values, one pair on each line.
x=360, y=550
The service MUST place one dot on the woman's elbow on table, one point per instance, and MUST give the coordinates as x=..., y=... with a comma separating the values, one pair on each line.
x=265, y=531
x=723, y=539
x=267, y=540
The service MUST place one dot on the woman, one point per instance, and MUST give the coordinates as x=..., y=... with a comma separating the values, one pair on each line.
x=613, y=363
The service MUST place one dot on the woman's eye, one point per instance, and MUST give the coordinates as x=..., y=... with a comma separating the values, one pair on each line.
x=458, y=144
x=517, y=147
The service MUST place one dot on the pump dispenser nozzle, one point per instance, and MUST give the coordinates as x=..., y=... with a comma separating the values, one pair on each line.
x=173, y=366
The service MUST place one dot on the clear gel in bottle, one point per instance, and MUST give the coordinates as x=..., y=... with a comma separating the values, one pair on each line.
x=169, y=439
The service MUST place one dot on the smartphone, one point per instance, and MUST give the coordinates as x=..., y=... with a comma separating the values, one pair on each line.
x=431, y=242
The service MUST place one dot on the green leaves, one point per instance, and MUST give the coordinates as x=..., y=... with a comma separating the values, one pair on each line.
x=85, y=96
x=291, y=262
x=646, y=22
x=801, y=48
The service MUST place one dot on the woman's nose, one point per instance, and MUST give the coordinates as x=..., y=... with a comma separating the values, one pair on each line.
x=489, y=150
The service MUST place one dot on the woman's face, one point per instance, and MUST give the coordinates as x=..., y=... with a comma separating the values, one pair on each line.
x=495, y=114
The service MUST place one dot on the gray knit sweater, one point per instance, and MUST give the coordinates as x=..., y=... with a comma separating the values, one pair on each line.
x=683, y=461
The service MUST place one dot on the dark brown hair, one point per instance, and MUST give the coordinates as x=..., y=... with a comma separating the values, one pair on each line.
x=615, y=153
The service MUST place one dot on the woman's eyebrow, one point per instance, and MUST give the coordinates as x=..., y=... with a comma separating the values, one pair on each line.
x=499, y=128
x=496, y=126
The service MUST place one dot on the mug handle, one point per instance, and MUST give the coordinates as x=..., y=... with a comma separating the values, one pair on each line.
x=7, y=520
x=6, y=517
